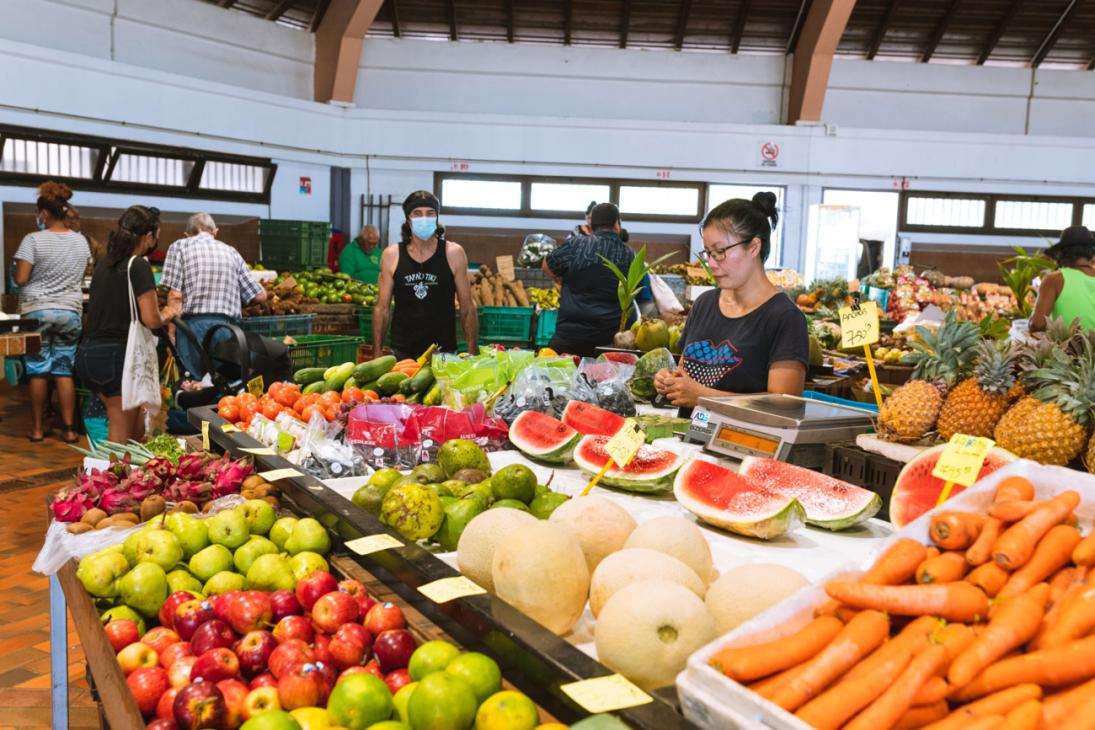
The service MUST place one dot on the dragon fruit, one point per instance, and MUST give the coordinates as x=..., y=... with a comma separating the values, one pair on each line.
x=116, y=499
x=141, y=484
x=227, y=475
x=70, y=506
x=191, y=467
x=120, y=469
x=182, y=490
x=161, y=468
x=96, y=482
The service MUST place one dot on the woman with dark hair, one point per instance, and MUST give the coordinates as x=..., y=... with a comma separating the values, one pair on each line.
x=49, y=269
x=1069, y=292
x=745, y=336
x=100, y=359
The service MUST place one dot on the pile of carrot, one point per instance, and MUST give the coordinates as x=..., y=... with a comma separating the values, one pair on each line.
x=992, y=627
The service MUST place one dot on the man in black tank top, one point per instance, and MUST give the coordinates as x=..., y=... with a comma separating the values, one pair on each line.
x=426, y=275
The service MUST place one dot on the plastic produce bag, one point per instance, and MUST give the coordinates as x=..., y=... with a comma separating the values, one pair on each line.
x=535, y=247
x=603, y=384
x=642, y=381
x=376, y=432
x=431, y=426
x=468, y=380
x=324, y=455
x=536, y=388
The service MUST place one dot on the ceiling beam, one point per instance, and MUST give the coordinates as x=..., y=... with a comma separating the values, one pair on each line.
x=1054, y=34
x=453, y=35
x=880, y=34
x=739, y=27
x=940, y=31
x=397, y=30
x=339, y=40
x=682, y=24
x=278, y=10
x=998, y=33
x=625, y=22
x=317, y=16
x=817, y=42
x=568, y=21
x=510, y=25
x=796, y=29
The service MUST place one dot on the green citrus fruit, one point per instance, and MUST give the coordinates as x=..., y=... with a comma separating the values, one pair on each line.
x=507, y=711
x=359, y=701
x=479, y=671
x=433, y=656
x=441, y=702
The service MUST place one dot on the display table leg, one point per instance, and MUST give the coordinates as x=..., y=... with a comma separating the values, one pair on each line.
x=58, y=653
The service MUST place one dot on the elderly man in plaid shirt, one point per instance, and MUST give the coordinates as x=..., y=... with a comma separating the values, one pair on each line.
x=208, y=280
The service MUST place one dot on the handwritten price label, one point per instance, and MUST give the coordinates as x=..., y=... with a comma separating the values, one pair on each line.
x=962, y=459
x=276, y=474
x=373, y=544
x=625, y=444
x=449, y=589
x=505, y=267
x=229, y=428
x=255, y=386
x=205, y=435
x=259, y=451
x=858, y=327
x=605, y=694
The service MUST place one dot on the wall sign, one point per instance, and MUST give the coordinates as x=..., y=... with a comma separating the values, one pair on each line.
x=305, y=185
x=769, y=154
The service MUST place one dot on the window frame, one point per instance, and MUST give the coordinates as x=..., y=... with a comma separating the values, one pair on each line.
x=988, y=226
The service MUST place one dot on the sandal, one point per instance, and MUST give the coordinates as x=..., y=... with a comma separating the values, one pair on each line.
x=38, y=439
x=69, y=434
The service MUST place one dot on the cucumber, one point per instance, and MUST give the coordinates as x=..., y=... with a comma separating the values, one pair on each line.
x=414, y=398
x=350, y=383
x=304, y=376
x=314, y=387
x=422, y=380
x=371, y=385
x=373, y=369
x=388, y=384
x=337, y=378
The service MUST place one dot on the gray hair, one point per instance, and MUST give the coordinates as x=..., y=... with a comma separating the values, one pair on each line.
x=200, y=222
x=370, y=228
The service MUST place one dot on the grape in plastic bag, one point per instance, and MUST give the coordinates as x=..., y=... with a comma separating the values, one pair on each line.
x=603, y=384
x=536, y=388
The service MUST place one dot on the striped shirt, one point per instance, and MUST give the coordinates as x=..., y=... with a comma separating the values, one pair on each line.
x=59, y=259
x=211, y=275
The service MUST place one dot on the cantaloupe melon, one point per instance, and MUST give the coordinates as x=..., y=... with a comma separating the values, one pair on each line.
x=744, y=591
x=632, y=565
x=602, y=526
x=541, y=570
x=475, y=551
x=677, y=537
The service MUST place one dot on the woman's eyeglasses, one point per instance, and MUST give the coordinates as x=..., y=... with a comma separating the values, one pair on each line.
x=720, y=253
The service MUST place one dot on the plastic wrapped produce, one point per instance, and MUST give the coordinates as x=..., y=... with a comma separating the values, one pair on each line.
x=536, y=388
x=603, y=384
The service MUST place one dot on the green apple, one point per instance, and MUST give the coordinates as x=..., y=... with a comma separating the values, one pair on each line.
x=254, y=547
x=100, y=573
x=192, y=533
x=308, y=534
x=159, y=546
x=305, y=563
x=228, y=527
x=144, y=589
x=260, y=516
x=281, y=531
x=223, y=582
x=270, y=572
x=124, y=612
x=181, y=580
x=210, y=561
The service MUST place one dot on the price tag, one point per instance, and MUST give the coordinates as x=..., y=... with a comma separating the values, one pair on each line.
x=276, y=474
x=605, y=694
x=373, y=544
x=205, y=435
x=858, y=327
x=505, y=267
x=260, y=451
x=449, y=589
x=229, y=428
x=285, y=441
x=962, y=458
x=255, y=386
x=625, y=444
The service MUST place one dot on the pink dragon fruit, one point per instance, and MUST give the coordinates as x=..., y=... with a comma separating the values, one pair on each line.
x=120, y=469
x=115, y=499
x=95, y=483
x=161, y=468
x=231, y=477
x=141, y=484
x=193, y=491
x=191, y=467
x=70, y=506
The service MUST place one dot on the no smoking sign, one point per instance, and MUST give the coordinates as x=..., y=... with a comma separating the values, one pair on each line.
x=769, y=154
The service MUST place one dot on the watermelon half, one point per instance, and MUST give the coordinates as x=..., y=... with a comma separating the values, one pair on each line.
x=917, y=491
x=651, y=470
x=542, y=437
x=590, y=420
x=728, y=500
x=829, y=502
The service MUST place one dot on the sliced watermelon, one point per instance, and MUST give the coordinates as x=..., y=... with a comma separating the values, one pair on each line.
x=728, y=500
x=590, y=420
x=917, y=491
x=829, y=502
x=542, y=437
x=624, y=358
x=651, y=470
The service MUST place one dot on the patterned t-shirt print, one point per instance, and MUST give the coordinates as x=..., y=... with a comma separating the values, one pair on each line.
x=708, y=363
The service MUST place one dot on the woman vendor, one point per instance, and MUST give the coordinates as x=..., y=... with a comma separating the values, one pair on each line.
x=746, y=336
x=1069, y=292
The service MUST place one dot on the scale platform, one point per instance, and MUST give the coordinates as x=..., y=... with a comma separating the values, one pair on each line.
x=783, y=427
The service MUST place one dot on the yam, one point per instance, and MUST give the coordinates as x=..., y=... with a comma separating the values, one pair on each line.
x=499, y=291
x=486, y=293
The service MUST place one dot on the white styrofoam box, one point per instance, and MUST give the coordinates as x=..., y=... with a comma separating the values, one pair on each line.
x=90, y=462
x=264, y=275
x=700, y=685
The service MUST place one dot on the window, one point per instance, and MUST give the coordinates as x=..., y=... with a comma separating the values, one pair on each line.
x=877, y=221
x=30, y=157
x=1029, y=214
x=945, y=212
x=231, y=176
x=151, y=170
x=1089, y=215
x=473, y=193
x=569, y=197
x=659, y=200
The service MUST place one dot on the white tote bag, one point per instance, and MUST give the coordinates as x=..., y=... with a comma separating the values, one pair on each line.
x=141, y=376
x=663, y=296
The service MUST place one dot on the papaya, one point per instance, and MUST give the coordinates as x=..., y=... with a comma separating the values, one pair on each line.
x=337, y=377
x=373, y=369
x=313, y=387
x=421, y=381
x=351, y=382
x=304, y=376
x=388, y=384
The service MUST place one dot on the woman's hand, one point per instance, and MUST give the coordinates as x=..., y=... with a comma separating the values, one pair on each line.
x=682, y=390
x=662, y=380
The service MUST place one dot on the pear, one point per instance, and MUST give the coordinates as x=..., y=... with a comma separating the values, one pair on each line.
x=181, y=580
x=308, y=535
x=144, y=589
x=100, y=572
x=281, y=530
x=159, y=546
x=305, y=563
x=270, y=572
x=260, y=516
x=223, y=582
x=247, y=553
x=211, y=560
x=228, y=527
x=191, y=532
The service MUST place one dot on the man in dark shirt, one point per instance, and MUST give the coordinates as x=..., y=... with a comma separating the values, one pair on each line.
x=589, y=310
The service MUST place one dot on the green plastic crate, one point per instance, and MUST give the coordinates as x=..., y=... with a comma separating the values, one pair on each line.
x=300, y=229
x=365, y=325
x=323, y=351
x=280, y=325
x=505, y=324
x=293, y=252
x=545, y=326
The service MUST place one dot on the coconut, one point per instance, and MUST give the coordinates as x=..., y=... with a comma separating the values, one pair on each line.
x=632, y=565
x=744, y=591
x=475, y=550
x=648, y=629
x=679, y=538
x=541, y=570
x=624, y=340
x=652, y=334
x=602, y=526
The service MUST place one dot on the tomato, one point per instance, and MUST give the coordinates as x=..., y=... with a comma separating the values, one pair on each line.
x=287, y=396
x=330, y=398
x=245, y=398
x=307, y=400
x=229, y=411
x=271, y=410
x=331, y=413
x=248, y=411
x=309, y=411
x=351, y=393
x=370, y=395
x=228, y=400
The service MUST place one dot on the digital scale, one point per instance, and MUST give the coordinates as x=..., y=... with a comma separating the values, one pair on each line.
x=782, y=427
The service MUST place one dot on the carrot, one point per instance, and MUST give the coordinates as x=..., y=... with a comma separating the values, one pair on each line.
x=933, y=690
x=1013, y=625
x=1084, y=554
x=855, y=641
x=1027, y=716
x=897, y=565
x=955, y=530
x=1062, y=581
x=980, y=551
x=958, y=601
x=988, y=722
x=931, y=552
x=920, y=715
x=885, y=711
x=1082, y=718
x=1000, y=703
x=835, y=706
x=1013, y=510
x=1071, y=663
x=1053, y=553
x=1016, y=545
x=1076, y=620
x=746, y=663
x=1053, y=615
x=1014, y=488
x=913, y=638
x=989, y=577
x=1059, y=706
x=944, y=568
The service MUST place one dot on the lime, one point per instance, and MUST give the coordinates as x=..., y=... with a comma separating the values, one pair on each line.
x=441, y=702
x=433, y=656
x=385, y=477
x=359, y=701
x=507, y=710
x=479, y=671
x=515, y=481
x=402, y=697
x=511, y=503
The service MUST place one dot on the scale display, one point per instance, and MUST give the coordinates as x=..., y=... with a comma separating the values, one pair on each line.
x=752, y=442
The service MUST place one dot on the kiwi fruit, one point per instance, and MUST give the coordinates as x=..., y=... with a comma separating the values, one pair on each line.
x=79, y=528
x=263, y=490
x=152, y=506
x=109, y=522
x=247, y=493
x=93, y=516
x=127, y=517
x=208, y=507
x=187, y=506
x=272, y=500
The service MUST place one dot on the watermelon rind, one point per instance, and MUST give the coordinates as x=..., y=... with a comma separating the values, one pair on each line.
x=590, y=420
x=916, y=490
x=590, y=456
x=773, y=516
x=829, y=503
x=560, y=439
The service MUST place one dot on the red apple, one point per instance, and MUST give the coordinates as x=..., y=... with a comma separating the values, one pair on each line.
x=137, y=656
x=397, y=679
x=147, y=685
x=346, y=652
x=200, y=705
x=373, y=668
x=215, y=665
x=165, y=707
x=179, y=671
x=384, y=617
x=334, y=609
x=159, y=638
x=393, y=649
x=235, y=694
x=121, y=632
x=330, y=674
x=262, y=699
x=352, y=671
x=264, y=680
x=321, y=647
x=250, y=611
x=292, y=651
x=254, y=651
x=314, y=585
x=358, y=633
x=221, y=602
x=174, y=652
x=213, y=634
x=162, y=723
x=167, y=610
x=302, y=685
x=357, y=589
x=294, y=627
x=189, y=615
x=284, y=603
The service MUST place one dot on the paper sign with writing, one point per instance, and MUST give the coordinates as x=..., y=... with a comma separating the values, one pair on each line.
x=259, y=451
x=285, y=441
x=449, y=589
x=275, y=474
x=859, y=327
x=205, y=435
x=605, y=694
x=505, y=267
x=373, y=544
x=229, y=428
x=962, y=459
x=623, y=446
x=255, y=386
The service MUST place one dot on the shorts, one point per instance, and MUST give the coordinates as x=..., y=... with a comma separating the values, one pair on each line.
x=60, y=330
x=99, y=367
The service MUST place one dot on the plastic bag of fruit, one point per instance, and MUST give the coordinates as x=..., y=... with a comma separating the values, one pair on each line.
x=376, y=432
x=468, y=380
x=536, y=388
x=431, y=426
x=603, y=384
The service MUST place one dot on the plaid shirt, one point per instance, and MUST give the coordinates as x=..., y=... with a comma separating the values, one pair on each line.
x=212, y=276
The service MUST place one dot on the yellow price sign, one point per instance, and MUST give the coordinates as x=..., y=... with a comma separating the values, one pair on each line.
x=859, y=327
x=255, y=386
x=373, y=544
x=260, y=451
x=449, y=589
x=276, y=474
x=605, y=694
x=205, y=435
x=285, y=441
x=625, y=444
x=229, y=428
x=962, y=458
x=505, y=267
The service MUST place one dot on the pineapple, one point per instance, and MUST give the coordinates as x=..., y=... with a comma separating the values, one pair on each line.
x=978, y=402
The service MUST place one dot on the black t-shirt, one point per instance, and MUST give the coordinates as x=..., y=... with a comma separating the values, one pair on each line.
x=108, y=304
x=735, y=353
x=589, y=309
x=425, y=302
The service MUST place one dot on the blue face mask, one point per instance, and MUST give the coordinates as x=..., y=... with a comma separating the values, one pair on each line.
x=424, y=228
x=41, y=225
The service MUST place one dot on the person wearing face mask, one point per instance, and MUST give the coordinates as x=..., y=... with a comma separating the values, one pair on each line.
x=426, y=275
x=745, y=336
x=49, y=269
x=101, y=356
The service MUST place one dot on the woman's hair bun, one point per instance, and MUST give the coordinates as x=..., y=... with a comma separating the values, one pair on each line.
x=766, y=201
x=55, y=191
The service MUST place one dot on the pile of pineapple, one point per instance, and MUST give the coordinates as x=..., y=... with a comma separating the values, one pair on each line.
x=1035, y=398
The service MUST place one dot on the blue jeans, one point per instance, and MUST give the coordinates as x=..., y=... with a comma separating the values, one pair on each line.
x=200, y=324
x=60, y=331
